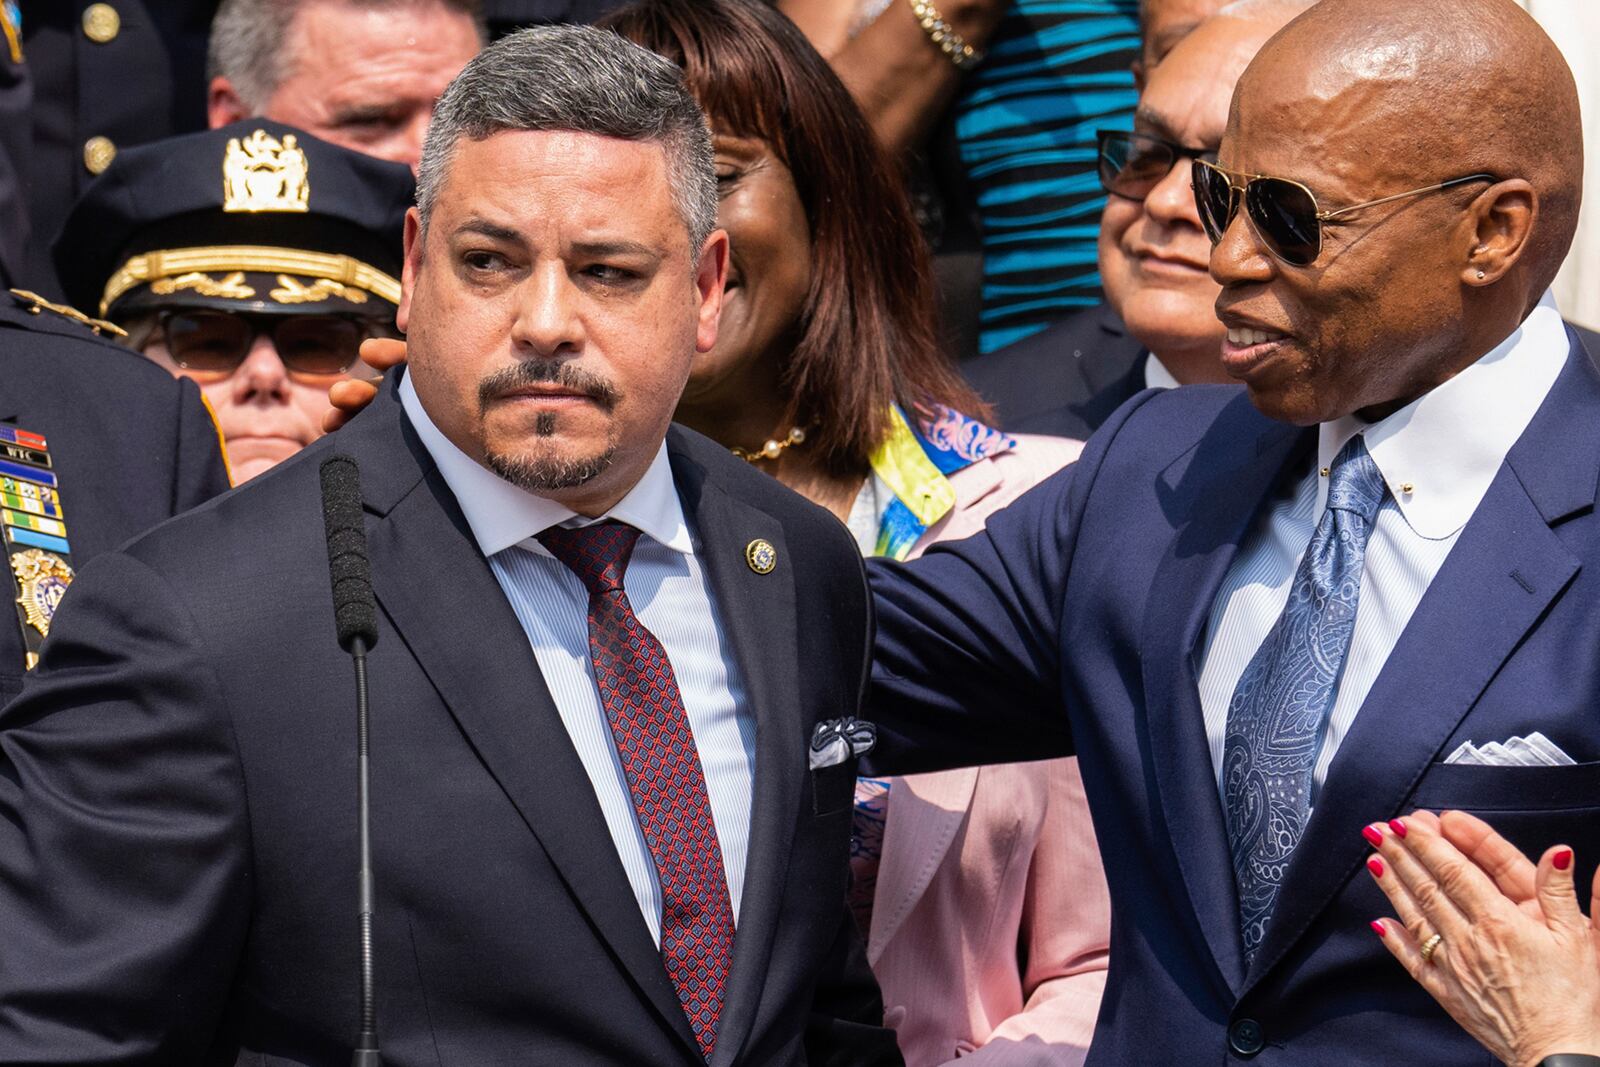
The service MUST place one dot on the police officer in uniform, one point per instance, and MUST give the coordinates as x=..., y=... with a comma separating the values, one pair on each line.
x=107, y=74
x=96, y=445
x=253, y=259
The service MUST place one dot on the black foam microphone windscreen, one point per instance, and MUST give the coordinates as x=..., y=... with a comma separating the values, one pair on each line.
x=355, y=613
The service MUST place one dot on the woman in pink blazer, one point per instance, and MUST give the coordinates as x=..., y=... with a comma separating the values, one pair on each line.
x=981, y=890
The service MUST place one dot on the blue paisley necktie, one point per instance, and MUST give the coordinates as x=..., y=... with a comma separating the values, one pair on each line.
x=1279, y=708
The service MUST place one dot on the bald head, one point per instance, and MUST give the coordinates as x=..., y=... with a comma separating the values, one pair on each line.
x=1413, y=93
x=1378, y=107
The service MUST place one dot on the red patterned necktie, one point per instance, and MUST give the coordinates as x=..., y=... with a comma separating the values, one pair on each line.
x=641, y=700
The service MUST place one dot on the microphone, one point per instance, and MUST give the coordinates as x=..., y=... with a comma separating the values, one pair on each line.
x=354, y=612
x=355, y=616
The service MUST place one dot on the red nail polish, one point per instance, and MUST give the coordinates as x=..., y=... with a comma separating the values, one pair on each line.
x=1562, y=859
x=1398, y=827
x=1375, y=865
x=1373, y=835
x=1379, y=929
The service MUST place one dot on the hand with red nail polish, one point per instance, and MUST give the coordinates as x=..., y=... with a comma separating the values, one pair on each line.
x=1518, y=962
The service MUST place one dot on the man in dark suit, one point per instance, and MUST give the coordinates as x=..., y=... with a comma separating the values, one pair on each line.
x=603, y=648
x=1158, y=325
x=1268, y=623
x=94, y=449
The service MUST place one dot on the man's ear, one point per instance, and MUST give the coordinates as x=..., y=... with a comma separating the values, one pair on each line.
x=711, y=274
x=223, y=104
x=1500, y=222
x=412, y=238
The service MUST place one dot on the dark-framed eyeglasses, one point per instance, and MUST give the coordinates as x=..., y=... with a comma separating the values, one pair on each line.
x=211, y=342
x=1132, y=164
x=1283, y=213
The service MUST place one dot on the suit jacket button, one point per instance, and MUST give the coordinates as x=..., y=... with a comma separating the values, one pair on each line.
x=1244, y=1037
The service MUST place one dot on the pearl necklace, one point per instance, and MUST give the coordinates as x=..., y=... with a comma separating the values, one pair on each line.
x=773, y=448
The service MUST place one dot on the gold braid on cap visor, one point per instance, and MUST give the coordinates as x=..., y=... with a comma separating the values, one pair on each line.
x=253, y=258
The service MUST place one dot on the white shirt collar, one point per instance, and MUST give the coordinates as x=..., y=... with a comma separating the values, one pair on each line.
x=1448, y=444
x=501, y=514
x=1156, y=374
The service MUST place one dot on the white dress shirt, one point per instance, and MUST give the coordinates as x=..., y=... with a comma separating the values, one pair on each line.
x=1156, y=374
x=1437, y=456
x=670, y=595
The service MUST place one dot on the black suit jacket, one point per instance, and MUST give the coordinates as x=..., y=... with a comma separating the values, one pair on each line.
x=1065, y=380
x=177, y=806
x=131, y=445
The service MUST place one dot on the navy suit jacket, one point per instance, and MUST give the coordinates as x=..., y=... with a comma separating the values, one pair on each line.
x=1072, y=625
x=178, y=820
x=131, y=445
x=1065, y=380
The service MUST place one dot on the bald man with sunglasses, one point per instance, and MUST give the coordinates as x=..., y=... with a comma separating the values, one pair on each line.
x=1270, y=619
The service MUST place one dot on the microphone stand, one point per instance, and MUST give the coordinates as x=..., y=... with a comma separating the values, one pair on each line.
x=366, y=1051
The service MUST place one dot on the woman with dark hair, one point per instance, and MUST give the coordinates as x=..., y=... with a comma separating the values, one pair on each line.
x=980, y=891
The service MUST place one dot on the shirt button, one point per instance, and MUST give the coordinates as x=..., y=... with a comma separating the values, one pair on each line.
x=1245, y=1038
x=101, y=23
x=98, y=152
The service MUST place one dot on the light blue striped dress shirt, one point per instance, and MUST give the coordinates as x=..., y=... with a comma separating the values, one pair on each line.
x=669, y=593
x=1437, y=456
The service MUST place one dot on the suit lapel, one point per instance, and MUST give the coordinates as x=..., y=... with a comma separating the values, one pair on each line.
x=925, y=813
x=758, y=615
x=442, y=598
x=1185, y=586
x=1503, y=573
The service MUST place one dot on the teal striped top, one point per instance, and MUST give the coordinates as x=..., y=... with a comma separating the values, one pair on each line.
x=1057, y=71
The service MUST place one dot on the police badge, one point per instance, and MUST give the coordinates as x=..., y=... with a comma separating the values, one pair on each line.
x=42, y=578
x=261, y=173
x=35, y=532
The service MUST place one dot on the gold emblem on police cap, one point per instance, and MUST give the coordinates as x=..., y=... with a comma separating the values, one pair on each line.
x=261, y=173
x=43, y=578
x=761, y=556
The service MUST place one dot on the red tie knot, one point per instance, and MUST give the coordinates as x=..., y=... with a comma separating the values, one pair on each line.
x=597, y=554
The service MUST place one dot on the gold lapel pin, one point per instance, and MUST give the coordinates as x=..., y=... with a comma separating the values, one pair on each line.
x=761, y=556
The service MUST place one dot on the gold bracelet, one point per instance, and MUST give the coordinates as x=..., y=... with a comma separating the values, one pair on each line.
x=942, y=34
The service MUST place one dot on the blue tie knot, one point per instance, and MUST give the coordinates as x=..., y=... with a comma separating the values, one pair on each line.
x=1354, y=482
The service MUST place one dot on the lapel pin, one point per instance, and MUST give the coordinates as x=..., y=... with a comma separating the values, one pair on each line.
x=761, y=556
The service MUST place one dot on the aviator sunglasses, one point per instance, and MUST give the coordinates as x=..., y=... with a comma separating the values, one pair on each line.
x=1133, y=164
x=1283, y=213
x=217, y=342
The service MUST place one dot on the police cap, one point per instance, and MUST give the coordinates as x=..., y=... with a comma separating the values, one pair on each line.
x=254, y=216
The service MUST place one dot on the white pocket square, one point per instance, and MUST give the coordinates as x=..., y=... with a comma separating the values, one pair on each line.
x=1535, y=750
x=836, y=740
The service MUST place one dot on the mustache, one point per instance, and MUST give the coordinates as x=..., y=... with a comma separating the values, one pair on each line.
x=549, y=372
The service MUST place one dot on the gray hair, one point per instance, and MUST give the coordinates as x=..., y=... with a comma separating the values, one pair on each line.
x=588, y=81
x=249, y=42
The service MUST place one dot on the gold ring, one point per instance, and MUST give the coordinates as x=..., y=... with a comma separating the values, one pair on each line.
x=1430, y=946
